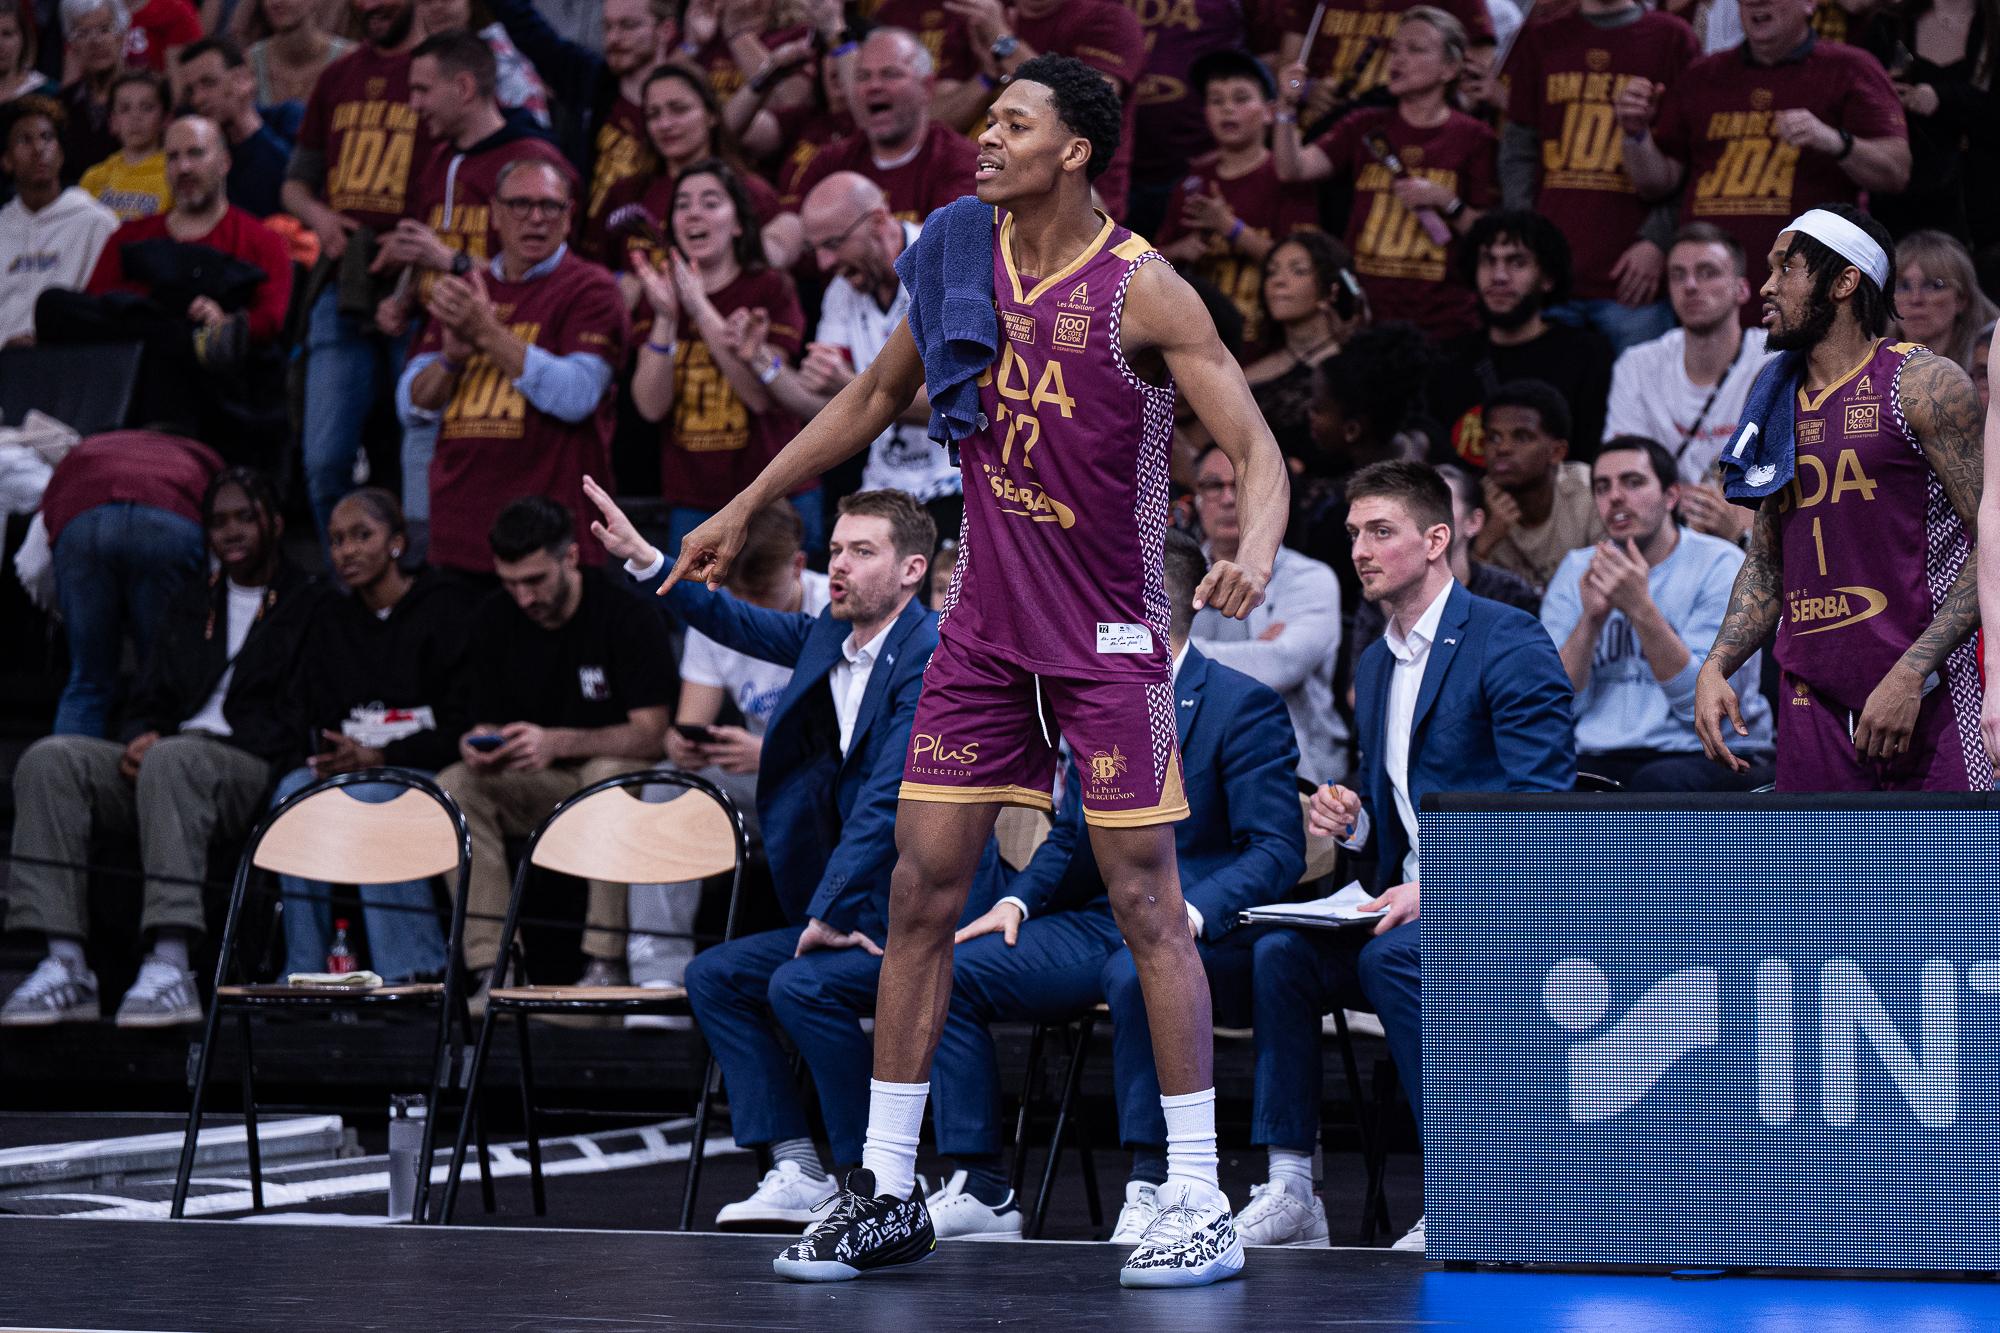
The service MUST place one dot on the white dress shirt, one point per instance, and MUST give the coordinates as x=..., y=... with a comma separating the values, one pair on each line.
x=1406, y=679
x=849, y=680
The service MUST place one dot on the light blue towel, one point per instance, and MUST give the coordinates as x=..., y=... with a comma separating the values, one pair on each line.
x=1761, y=455
x=949, y=272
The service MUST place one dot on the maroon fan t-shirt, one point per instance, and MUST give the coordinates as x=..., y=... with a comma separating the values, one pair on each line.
x=939, y=171
x=454, y=193
x=360, y=121
x=1406, y=273
x=1171, y=126
x=1740, y=175
x=493, y=446
x=712, y=445
x=1563, y=78
x=724, y=75
x=810, y=131
x=1263, y=202
x=942, y=32
x=619, y=150
x=1352, y=48
x=1103, y=35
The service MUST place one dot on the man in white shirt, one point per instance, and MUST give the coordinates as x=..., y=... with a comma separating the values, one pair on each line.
x=49, y=236
x=1687, y=387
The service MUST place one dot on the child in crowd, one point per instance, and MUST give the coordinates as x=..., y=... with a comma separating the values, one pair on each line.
x=132, y=182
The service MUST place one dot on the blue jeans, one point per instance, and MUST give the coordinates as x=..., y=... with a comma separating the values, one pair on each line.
x=116, y=565
x=347, y=362
x=1623, y=326
x=1135, y=1080
x=404, y=939
x=1052, y=974
x=683, y=519
x=744, y=990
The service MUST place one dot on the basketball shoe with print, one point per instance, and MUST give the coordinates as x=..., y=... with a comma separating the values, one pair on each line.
x=860, y=1232
x=1191, y=1242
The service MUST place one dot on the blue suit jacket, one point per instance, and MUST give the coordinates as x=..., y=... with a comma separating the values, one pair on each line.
x=1494, y=713
x=829, y=858
x=1243, y=842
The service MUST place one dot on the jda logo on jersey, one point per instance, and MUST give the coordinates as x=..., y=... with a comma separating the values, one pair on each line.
x=1666, y=1042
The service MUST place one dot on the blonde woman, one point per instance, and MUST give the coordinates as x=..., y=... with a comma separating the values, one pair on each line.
x=1938, y=301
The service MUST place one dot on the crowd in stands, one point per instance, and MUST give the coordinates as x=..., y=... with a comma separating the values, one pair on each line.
x=446, y=282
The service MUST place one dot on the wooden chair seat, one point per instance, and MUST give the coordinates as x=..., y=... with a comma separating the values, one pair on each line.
x=570, y=996
x=279, y=992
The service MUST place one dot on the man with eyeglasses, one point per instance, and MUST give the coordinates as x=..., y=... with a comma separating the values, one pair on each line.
x=515, y=370
x=853, y=237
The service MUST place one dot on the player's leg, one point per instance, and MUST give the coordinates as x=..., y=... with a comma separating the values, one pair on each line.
x=1815, y=743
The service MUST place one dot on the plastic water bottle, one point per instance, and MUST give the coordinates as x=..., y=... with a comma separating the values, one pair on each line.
x=407, y=1114
x=339, y=957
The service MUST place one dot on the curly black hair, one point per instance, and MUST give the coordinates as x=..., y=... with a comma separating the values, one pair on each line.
x=1087, y=105
x=1527, y=229
x=1378, y=377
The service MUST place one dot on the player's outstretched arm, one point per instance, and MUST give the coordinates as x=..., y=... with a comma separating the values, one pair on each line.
x=1988, y=557
x=843, y=428
x=1163, y=313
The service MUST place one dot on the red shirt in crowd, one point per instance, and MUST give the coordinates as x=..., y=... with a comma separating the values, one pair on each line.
x=238, y=234
x=1352, y=48
x=810, y=132
x=360, y=121
x=1172, y=128
x=1261, y=201
x=158, y=26
x=942, y=32
x=141, y=467
x=1406, y=273
x=494, y=446
x=712, y=445
x=938, y=170
x=454, y=191
x=1563, y=77
x=724, y=75
x=1740, y=175
x=621, y=150
x=1103, y=35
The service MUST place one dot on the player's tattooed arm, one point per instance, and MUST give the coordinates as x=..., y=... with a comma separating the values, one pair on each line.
x=1752, y=616
x=1942, y=407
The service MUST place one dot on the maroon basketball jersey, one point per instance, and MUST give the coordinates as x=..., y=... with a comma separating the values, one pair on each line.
x=1869, y=543
x=1059, y=558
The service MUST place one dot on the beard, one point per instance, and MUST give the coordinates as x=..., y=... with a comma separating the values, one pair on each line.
x=1806, y=333
x=1506, y=321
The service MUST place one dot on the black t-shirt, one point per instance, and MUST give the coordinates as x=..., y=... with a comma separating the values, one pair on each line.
x=1576, y=362
x=609, y=658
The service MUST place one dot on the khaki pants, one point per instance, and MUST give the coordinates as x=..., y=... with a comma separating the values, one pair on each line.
x=502, y=805
x=66, y=788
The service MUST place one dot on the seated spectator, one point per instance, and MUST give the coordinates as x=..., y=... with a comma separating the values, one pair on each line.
x=855, y=240
x=769, y=572
x=1309, y=306
x=287, y=49
x=571, y=676
x=220, y=86
x=1538, y=507
x=1938, y=300
x=1291, y=641
x=159, y=282
x=18, y=48
x=132, y=182
x=1421, y=173
x=1687, y=387
x=719, y=421
x=1493, y=714
x=515, y=83
x=1517, y=265
x=1754, y=136
x=515, y=367
x=1048, y=950
x=94, y=46
x=123, y=513
x=1629, y=615
x=50, y=237
x=382, y=683
x=827, y=783
x=201, y=737
x=1228, y=209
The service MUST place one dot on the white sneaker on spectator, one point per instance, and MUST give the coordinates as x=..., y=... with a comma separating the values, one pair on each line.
x=52, y=994
x=1141, y=1207
x=786, y=1196
x=605, y=972
x=1191, y=1243
x=163, y=997
x=1412, y=1241
x=956, y=1215
x=669, y=1022
x=1276, y=1216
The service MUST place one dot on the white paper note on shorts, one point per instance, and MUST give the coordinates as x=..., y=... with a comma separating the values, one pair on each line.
x=1113, y=637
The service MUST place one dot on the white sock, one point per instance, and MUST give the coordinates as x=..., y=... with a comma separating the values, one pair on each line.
x=170, y=947
x=1293, y=1171
x=1191, y=1152
x=69, y=953
x=895, y=1121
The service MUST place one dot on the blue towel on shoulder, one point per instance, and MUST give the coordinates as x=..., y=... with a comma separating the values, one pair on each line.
x=1762, y=455
x=949, y=272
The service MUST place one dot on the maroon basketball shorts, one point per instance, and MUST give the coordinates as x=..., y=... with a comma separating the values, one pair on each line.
x=986, y=730
x=1816, y=746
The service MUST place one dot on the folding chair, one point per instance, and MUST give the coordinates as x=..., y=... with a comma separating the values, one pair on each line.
x=322, y=833
x=606, y=832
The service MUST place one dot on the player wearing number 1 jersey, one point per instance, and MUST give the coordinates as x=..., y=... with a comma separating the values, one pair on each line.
x=1055, y=627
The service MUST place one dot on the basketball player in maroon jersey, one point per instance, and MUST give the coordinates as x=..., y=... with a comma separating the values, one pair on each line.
x=1861, y=565
x=1055, y=626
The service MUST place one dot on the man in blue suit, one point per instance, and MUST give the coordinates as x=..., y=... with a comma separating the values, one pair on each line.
x=826, y=798
x=1460, y=694
x=1050, y=949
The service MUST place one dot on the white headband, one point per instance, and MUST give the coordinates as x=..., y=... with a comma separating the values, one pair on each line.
x=1845, y=239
